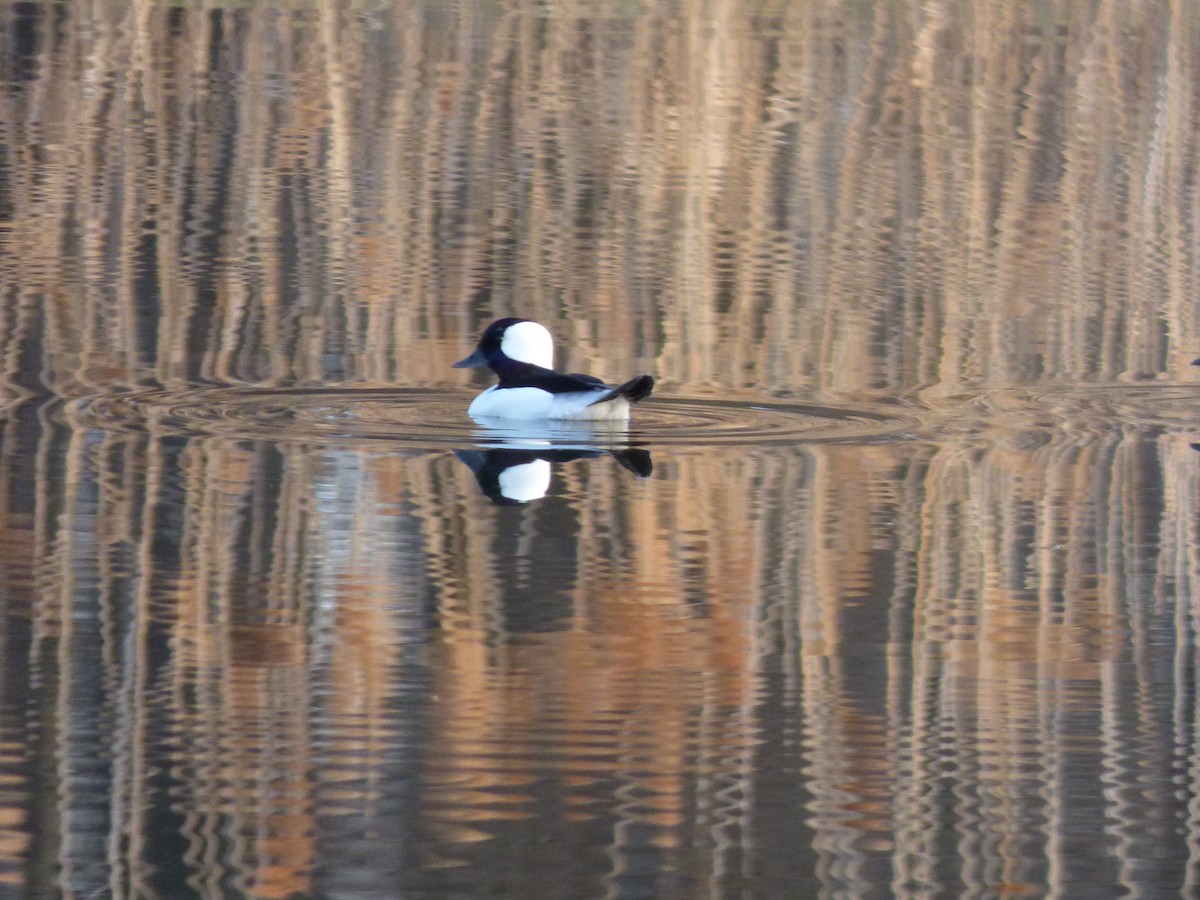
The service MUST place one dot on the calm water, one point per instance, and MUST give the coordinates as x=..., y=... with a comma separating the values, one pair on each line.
x=891, y=590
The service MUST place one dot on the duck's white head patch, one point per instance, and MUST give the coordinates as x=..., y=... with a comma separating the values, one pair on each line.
x=528, y=342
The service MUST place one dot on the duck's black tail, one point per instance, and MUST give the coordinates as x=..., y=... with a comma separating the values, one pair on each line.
x=633, y=390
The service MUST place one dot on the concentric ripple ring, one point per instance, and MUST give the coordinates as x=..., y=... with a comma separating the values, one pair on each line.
x=437, y=418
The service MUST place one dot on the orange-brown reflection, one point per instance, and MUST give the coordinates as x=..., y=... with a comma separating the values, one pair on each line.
x=960, y=666
x=807, y=198
x=324, y=665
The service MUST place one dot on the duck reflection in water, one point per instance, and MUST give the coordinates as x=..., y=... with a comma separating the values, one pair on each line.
x=512, y=476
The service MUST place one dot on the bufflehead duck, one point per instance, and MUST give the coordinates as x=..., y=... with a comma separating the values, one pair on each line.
x=521, y=353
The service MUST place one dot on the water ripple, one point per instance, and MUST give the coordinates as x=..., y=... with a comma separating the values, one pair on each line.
x=436, y=418
x=1076, y=409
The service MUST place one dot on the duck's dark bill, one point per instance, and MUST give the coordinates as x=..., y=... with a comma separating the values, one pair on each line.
x=475, y=359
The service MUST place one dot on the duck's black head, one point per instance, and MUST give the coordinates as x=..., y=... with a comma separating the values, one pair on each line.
x=518, y=340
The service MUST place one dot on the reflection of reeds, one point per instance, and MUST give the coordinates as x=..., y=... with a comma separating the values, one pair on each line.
x=246, y=617
x=830, y=200
x=957, y=646
x=899, y=198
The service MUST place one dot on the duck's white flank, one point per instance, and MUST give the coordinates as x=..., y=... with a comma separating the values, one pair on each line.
x=534, y=403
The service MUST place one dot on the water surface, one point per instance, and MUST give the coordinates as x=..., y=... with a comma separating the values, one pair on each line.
x=889, y=591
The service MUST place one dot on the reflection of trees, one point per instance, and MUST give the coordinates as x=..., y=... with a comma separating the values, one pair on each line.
x=921, y=663
x=250, y=653
x=838, y=198
x=944, y=662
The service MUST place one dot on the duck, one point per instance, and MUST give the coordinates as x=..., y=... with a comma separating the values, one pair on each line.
x=521, y=353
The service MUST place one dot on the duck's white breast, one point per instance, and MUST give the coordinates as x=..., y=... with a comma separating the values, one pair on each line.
x=512, y=403
x=534, y=403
